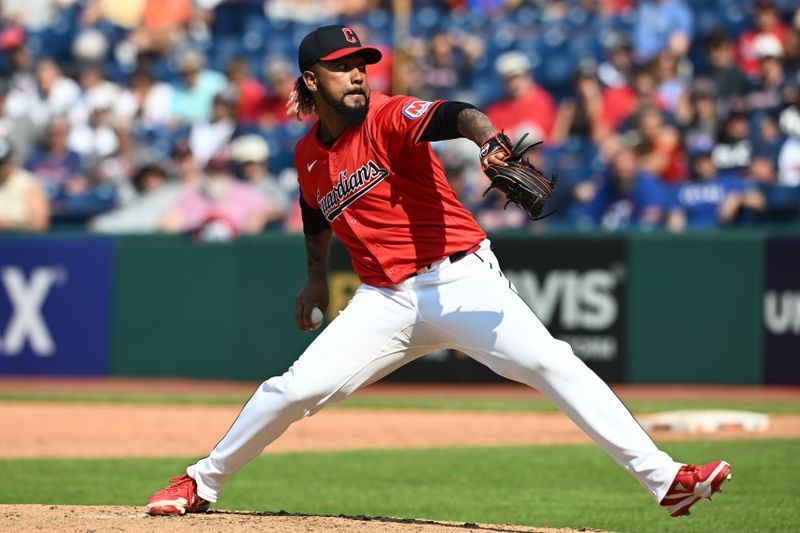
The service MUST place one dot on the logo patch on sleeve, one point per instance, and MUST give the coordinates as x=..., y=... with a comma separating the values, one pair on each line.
x=416, y=109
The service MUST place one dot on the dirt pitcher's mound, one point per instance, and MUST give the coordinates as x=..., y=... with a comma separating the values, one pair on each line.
x=75, y=518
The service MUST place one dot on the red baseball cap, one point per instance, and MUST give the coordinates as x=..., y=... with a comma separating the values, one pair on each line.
x=11, y=37
x=333, y=42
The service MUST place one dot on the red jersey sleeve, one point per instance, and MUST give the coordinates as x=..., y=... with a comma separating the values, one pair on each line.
x=404, y=118
x=301, y=154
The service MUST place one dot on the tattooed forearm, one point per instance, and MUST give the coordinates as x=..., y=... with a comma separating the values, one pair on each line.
x=313, y=256
x=317, y=254
x=475, y=126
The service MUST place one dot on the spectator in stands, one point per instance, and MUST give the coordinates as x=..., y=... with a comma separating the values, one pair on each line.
x=733, y=152
x=118, y=167
x=57, y=167
x=18, y=129
x=12, y=45
x=155, y=194
x=73, y=196
x=791, y=47
x=617, y=70
x=251, y=155
x=125, y=15
x=301, y=11
x=22, y=92
x=672, y=75
x=771, y=89
x=617, y=75
x=163, y=25
x=57, y=91
x=23, y=202
x=210, y=139
x=463, y=170
x=789, y=156
x=90, y=49
x=698, y=117
x=249, y=91
x=446, y=68
x=189, y=172
x=767, y=139
x=729, y=81
x=710, y=201
x=767, y=21
x=280, y=84
x=218, y=207
x=527, y=108
x=96, y=90
x=659, y=147
x=33, y=15
x=147, y=102
x=762, y=171
x=193, y=94
x=662, y=25
x=492, y=214
x=95, y=139
x=580, y=116
x=56, y=94
x=92, y=135
x=782, y=201
x=646, y=97
x=627, y=197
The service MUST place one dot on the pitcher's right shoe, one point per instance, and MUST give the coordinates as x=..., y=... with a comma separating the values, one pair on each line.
x=693, y=483
x=178, y=498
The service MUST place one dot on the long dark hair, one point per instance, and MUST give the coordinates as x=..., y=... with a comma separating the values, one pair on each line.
x=305, y=100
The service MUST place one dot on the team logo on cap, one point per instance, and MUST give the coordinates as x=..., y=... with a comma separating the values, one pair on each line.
x=350, y=35
x=416, y=109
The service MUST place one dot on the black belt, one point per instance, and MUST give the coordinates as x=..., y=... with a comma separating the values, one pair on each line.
x=454, y=258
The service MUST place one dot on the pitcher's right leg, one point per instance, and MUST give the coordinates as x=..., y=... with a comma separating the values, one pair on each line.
x=490, y=322
x=368, y=340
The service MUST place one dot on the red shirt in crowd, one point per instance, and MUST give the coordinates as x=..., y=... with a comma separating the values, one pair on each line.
x=618, y=104
x=746, y=48
x=534, y=111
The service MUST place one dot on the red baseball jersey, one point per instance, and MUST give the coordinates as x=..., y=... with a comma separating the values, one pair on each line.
x=384, y=192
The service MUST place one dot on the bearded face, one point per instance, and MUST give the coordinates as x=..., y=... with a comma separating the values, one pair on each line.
x=352, y=106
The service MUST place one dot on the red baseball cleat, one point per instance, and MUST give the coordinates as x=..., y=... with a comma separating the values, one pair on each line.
x=178, y=498
x=693, y=483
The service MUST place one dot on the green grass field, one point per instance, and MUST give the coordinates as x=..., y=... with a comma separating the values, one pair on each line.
x=561, y=486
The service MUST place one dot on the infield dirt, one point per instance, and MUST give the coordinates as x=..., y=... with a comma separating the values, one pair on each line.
x=73, y=518
x=119, y=430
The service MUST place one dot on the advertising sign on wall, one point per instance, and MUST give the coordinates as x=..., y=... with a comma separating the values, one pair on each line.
x=781, y=306
x=54, y=306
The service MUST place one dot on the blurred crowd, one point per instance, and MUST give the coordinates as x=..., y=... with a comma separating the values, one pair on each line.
x=169, y=116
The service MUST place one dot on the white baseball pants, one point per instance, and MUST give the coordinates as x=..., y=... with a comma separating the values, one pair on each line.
x=468, y=305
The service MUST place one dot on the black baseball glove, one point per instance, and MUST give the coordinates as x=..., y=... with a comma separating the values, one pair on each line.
x=521, y=182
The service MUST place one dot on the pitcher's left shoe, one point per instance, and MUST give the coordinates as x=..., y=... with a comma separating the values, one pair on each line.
x=693, y=483
x=178, y=498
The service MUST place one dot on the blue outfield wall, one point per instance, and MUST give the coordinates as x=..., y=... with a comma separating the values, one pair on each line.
x=704, y=308
x=55, y=298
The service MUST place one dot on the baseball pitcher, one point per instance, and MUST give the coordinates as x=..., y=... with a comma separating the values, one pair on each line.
x=429, y=278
